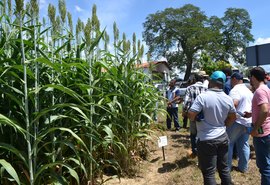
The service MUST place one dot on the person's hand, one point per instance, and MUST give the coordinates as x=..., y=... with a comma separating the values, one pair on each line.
x=254, y=132
x=247, y=114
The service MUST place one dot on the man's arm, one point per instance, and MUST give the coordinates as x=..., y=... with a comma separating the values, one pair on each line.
x=192, y=115
x=176, y=97
x=261, y=118
x=235, y=102
x=230, y=119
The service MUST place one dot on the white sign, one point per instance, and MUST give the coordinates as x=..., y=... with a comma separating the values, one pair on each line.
x=162, y=141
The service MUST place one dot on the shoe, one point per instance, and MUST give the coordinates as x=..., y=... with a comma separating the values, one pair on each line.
x=191, y=155
x=234, y=168
x=177, y=129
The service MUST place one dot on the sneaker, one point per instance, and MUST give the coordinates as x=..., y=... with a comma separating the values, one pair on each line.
x=177, y=129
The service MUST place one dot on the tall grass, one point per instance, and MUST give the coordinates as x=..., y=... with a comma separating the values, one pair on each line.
x=68, y=113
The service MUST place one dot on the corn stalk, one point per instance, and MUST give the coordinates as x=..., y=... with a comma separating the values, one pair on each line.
x=19, y=14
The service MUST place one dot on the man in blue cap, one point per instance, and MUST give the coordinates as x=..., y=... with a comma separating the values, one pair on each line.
x=218, y=112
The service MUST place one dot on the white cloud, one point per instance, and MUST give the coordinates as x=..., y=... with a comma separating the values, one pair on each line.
x=78, y=9
x=262, y=41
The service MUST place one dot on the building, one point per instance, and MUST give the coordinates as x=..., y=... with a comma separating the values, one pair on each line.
x=159, y=70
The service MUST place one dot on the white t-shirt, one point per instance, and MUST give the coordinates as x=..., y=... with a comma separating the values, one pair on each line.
x=244, y=96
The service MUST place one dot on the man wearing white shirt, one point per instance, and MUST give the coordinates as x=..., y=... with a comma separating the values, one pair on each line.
x=172, y=95
x=238, y=132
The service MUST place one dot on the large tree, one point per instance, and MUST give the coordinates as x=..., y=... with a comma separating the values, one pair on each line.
x=181, y=34
x=236, y=33
x=232, y=36
x=178, y=34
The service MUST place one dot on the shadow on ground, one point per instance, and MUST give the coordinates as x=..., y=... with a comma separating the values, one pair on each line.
x=178, y=164
x=182, y=139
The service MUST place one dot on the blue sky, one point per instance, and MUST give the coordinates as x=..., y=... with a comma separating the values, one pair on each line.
x=131, y=14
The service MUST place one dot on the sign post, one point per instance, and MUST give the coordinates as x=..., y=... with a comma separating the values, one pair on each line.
x=258, y=55
x=162, y=141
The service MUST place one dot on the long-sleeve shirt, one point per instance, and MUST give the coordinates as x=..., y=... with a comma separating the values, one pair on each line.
x=192, y=92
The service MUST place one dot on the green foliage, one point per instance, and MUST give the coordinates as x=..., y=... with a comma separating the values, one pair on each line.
x=181, y=34
x=83, y=116
x=10, y=170
x=183, y=29
x=209, y=66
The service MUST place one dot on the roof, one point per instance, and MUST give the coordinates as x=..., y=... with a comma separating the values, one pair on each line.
x=148, y=64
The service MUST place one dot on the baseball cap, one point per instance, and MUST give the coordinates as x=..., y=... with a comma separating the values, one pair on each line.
x=237, y=75
x=218, y=76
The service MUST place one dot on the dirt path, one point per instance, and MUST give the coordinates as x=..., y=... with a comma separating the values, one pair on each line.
x=178, y=168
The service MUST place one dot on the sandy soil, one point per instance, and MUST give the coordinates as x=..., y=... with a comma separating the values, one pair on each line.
x=178, y=167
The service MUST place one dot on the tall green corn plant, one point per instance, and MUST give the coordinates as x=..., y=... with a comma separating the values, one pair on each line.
x=115, y=84
x=19, y=14
x=88, y=53
x=35, y=21
x=52, y=14
x=91, y=44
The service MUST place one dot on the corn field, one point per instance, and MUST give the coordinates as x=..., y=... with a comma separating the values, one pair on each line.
x=71, y=110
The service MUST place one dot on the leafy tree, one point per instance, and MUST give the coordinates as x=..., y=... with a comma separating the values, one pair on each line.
x=182, y=34
x=232, y=36
x=236, y=33
x=178, y=34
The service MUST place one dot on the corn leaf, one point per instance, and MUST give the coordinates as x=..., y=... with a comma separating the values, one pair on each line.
x=11, y=171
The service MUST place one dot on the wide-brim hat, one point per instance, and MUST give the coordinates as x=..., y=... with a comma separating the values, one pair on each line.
x=203, y=73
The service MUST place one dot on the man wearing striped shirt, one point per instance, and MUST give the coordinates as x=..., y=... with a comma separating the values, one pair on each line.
x=192, y=92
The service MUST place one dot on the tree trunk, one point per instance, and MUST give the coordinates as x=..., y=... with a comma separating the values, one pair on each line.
x=188, y=69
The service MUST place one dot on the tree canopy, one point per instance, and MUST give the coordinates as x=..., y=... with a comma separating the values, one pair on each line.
x=182, y=34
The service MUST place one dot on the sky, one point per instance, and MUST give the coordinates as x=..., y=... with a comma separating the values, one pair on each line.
x=130, y=15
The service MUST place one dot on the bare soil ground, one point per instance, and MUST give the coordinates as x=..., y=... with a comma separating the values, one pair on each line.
x=178, y=168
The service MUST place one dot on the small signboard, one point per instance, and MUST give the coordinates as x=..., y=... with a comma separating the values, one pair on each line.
x=162, y=141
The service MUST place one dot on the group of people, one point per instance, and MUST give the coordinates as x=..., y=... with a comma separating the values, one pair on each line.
x=222, y=116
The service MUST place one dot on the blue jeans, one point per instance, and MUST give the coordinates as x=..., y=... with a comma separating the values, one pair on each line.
x=193, y=136
x=213, y=154
x=172, y=114
x=238, y=135
x=262, y=150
